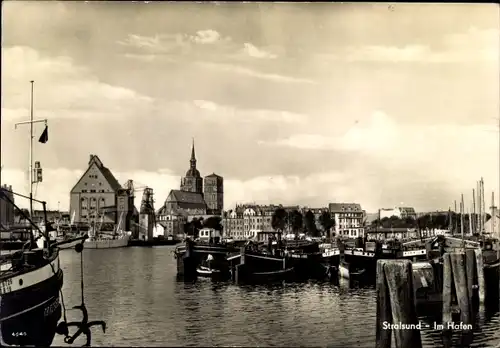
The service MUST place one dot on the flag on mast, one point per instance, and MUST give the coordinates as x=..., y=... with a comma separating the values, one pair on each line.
x=45, y=135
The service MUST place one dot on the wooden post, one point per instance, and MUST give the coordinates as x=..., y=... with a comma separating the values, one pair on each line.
x=462, y=290
x=396, y=306
x=480, y=277
x=470, y=270
x=447, y=298
x=384, y=315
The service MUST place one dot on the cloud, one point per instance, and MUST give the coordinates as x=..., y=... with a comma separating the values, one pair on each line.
x=255, y=52
x=224, y=113
x=208, y=36
x=141, y=41
x=171, y=43
x=61, y=87
x=253, y=73
x=473, y=45
x=459, y=153
x=142, y=57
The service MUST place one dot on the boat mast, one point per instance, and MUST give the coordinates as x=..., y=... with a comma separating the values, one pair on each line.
x=462, y=216
x=473, y=217
x=493, y=213
x=31, y=171
x=483, y=206
x=479, y=208
x=470, y=222
x=456, y=218
x=31, y=150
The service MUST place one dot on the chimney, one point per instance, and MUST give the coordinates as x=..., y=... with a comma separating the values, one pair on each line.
x=91, y=158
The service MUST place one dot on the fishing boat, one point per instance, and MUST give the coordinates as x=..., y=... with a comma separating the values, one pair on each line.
x=287, y=274
x=31, y=278
x=330, y=258
x=30, y=282
x=98, y=239
x=350, y=271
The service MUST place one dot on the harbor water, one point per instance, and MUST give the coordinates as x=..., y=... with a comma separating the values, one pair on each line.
x=136, y=292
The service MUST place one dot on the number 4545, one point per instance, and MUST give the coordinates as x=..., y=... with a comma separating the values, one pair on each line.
x=18, y=334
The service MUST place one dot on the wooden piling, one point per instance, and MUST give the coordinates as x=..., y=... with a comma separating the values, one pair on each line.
x=458, y=265
x=470, y=270
x=395, y=305
x=447, y=299
x=480, y=278
x=383, y=335
x=459, y=271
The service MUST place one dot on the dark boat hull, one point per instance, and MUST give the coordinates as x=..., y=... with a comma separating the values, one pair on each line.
x=154, y=242
x=12, y=245
x=30, y=307
x=269, y=277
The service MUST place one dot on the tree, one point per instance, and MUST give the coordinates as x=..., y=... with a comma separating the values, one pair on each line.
x=310, y=223
x=385, y=222
x=326, y=221
x=214, y=222
x=278, y=219
x=409, y=221
x=393, y=221
x=296, y=221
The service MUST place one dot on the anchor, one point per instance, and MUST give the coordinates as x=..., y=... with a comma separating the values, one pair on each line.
x=83, y=327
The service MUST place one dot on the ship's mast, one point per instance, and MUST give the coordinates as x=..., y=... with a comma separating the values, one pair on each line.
x=31, y=171
x=462, y=216
x=473, y=217
x=456, y=218
x=479, y=206
x=483, y=203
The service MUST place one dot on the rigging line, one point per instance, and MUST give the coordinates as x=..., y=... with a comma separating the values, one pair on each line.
x=81, y=276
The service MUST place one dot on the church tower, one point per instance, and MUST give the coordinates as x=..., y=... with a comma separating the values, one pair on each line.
x=193, y=181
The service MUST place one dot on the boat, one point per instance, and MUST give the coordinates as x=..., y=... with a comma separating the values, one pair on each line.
x=155, y=241
x=31, y=278
x=271, y=276
x=101, y=240
x=30, y=284
x=330, y=259
x=349, y=271
x=206, y=269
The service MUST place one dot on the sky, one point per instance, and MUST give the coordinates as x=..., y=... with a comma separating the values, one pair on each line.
x=304, y=103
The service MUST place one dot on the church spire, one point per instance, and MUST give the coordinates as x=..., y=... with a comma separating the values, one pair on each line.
x=193, y=157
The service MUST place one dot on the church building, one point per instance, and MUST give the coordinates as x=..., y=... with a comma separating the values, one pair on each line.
x=194, y=198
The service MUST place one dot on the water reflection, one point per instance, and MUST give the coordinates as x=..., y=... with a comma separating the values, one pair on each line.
x=136, y=292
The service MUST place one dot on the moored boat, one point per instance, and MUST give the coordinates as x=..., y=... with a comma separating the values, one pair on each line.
x=98, y=239
x=271, y=276
x=31, y=278
x=350, y=271
x=30, y=284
